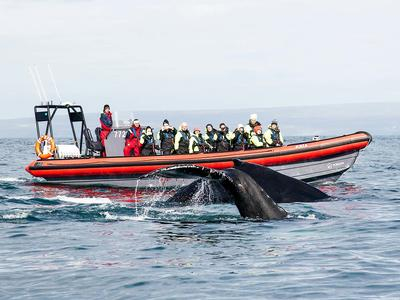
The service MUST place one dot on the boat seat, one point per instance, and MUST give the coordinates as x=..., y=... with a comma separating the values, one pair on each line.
x=68, y=151
x=92, y=146
x=97, y=132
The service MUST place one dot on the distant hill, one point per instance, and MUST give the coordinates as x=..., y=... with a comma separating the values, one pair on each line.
x=326, y=120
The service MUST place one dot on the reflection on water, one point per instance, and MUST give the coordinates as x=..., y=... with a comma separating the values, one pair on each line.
x=341, y=189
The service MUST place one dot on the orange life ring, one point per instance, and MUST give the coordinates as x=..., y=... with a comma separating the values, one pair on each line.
x=38, y=147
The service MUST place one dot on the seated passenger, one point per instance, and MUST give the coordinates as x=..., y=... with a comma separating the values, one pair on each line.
x=166, y=136
x=223, y=138
x=239, y=139
x=148, y=146
x=249, y=129
x=211, y=137
x=197, y=144
x=132, y=138
x=257, y=140
x=273, y=136
x=182, y=139
x=106, y=125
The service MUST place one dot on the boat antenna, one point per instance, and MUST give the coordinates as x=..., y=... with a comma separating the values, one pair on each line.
x=54, y=82
x=41, y=85
x=35, y=83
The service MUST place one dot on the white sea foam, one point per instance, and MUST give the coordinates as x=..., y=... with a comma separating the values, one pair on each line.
x=309, y=217
x=90, y=200
x=77, y=200
x=16, y=216
x=111, y=217
x=11, y=179
x=18, y=197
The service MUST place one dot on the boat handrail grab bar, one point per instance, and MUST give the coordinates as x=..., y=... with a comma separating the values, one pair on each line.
x=46, y=113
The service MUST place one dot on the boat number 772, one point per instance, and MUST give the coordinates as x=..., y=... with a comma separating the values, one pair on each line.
x=119, y=133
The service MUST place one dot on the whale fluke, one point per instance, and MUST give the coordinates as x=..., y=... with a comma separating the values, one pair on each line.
x=280, y=187
x=254, y=189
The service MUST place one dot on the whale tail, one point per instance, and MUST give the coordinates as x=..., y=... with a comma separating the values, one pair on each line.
x=280, y=187
x=254, y=189
x=228, y=186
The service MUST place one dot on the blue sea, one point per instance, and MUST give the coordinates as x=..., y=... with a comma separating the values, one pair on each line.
x=106, y=243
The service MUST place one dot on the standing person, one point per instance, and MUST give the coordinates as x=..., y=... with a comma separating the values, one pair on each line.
x=148, y=146
x=197, y=144
x=106, y=126
x=223, y=138
x=166, y=136
x=132, y=139
x=239, y=140
x=249, y=129
x=273, y=135
x=182, y=139
x=211, y=137
x=257, y=140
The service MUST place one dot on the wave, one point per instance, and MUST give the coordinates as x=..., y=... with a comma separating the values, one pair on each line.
x=90, y=200
x=62, y=198
x=18, y=197
x=82, y=209
x=112, y=217
x=308, y=217
x=12, y=179
x=15, y=216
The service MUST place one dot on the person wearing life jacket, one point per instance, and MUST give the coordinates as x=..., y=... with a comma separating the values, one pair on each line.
x=211, y=137
x=182, y=139
x=239, y=140
x=257, y=140
x=249, y=129
x=106, y=126
x=197, y=144
x=147, y=142
x=166, y=136
x=273, y=136
x=132, y=139
x=223, y=138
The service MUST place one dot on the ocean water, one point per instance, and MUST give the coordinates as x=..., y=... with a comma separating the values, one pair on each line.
x=83, y=243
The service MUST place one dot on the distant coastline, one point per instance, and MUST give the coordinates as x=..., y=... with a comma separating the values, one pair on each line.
x=324, y=120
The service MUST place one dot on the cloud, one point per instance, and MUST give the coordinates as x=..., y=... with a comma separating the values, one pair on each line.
x=196, y=54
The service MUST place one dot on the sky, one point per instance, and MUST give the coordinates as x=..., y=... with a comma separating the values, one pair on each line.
x=187, y=55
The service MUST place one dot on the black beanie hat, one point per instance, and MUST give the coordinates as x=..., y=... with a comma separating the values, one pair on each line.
x=165, y=122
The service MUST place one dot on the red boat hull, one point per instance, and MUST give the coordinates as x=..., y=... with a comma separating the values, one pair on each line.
x=92, y=169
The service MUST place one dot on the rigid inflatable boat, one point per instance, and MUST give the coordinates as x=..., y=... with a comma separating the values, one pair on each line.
x=324, y=159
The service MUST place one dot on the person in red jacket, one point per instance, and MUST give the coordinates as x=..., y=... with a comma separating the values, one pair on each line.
x=106, y=125
x=132, y=139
